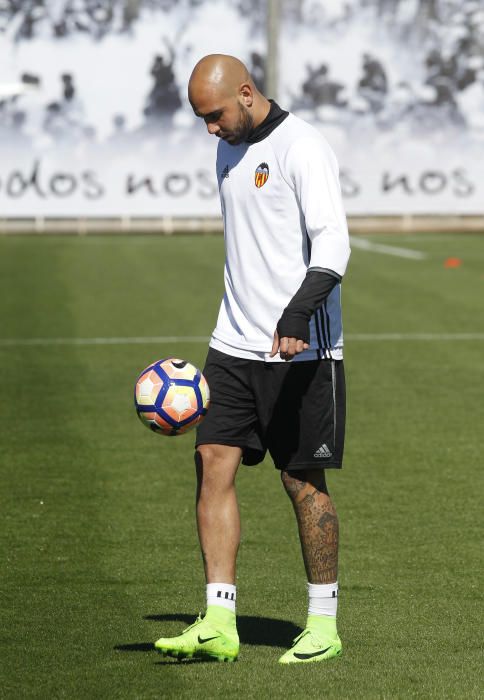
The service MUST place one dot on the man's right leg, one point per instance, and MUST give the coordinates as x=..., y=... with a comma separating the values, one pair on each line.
x=218, y=518
x=218, y=521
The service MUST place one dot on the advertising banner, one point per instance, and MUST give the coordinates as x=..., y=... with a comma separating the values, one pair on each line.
x=94, y=118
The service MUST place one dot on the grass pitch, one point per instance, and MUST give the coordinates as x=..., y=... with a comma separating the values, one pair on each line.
x=99, y=549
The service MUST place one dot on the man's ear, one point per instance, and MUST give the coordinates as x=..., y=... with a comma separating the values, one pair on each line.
x=246, y=94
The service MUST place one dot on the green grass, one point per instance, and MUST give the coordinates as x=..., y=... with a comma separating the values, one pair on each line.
x=98, y=545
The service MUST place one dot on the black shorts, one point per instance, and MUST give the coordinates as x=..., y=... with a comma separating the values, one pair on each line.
x=296, y=410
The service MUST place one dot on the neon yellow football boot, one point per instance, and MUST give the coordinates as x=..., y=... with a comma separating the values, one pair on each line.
x=213, y=638
x=318, y=642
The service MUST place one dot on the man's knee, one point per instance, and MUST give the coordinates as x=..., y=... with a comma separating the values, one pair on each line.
x=218, y=456
x=217, y=465
x=298, y=481
x=209, y=454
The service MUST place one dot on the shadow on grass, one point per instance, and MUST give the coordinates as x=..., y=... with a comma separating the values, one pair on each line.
x=258, y=631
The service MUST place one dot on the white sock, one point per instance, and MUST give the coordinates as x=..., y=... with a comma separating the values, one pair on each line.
x=223, y=594
x=323, y=598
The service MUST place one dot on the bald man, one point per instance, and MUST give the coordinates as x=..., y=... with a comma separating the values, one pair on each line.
x=275, y=361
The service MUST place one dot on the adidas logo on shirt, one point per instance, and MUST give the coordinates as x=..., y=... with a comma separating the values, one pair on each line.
x=323, y=452
x=225, y=171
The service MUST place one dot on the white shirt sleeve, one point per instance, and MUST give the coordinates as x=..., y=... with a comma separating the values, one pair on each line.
x=313, y=171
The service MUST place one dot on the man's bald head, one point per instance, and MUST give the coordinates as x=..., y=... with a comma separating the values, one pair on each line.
x=219, y=73
x=222, y=92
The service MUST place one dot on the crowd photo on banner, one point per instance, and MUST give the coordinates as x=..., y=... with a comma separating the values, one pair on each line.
x=406, y=78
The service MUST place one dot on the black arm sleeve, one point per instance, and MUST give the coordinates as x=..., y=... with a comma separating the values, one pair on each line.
x=316, y=287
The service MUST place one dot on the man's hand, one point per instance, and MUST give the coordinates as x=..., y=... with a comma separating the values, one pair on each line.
x=287, y=347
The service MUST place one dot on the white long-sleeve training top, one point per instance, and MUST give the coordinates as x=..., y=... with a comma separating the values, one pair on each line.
x=283, y=214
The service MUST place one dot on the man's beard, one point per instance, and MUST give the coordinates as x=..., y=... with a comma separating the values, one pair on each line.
x=243, y=128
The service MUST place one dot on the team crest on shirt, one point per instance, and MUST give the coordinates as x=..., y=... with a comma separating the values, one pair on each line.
x=261, y=174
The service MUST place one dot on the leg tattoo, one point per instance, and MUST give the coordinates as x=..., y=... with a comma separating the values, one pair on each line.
x=317, y=522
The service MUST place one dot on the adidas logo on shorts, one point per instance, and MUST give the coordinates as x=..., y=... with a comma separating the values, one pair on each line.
x=323, y=452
